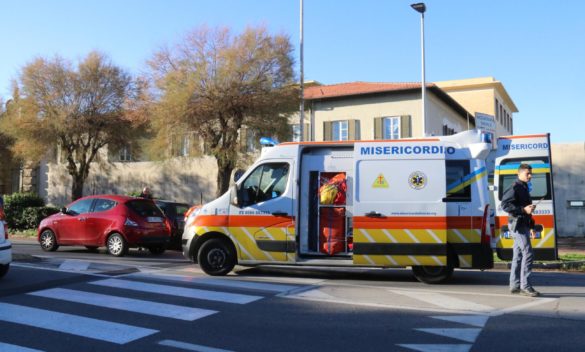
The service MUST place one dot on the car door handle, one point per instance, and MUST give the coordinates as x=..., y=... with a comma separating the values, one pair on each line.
x=82, y=219
x=373, y=214
x=280, y=213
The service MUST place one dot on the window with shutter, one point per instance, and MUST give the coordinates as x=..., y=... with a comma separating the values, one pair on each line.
x=340, y=130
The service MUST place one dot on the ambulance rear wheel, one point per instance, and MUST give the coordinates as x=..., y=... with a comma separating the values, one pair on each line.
x=432, y=274
x=216, y=257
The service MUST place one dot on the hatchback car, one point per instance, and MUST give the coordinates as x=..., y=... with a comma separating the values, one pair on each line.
x=5, y=249
x=115, y=221
x=175, y=212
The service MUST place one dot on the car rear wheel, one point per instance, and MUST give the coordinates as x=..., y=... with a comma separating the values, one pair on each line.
x=216, y=257
x=48, y=241
x=4, y=269
x=160, y=249
x=117, y=245
x=432, y=274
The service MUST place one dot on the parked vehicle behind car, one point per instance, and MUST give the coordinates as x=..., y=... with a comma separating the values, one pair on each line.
x=5, y=245
x=175, y=212
x=114, y=221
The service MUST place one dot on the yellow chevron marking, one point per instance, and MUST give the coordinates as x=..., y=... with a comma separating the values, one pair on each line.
x=465, y=261
x=411, y=236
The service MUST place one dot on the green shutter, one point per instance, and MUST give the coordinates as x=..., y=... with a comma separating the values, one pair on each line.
x=405, y=127
x=306, y=132
x=378, y=128
x=353, y=130
x=327, y=131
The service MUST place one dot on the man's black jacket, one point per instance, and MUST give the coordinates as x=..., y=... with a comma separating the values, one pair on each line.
x=513, y=202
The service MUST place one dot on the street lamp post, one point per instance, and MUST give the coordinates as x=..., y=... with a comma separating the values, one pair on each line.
x=421, y=8
x=302, y=90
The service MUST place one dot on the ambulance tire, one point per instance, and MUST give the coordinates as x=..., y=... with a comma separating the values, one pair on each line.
x=432, y=274
x=216, y=257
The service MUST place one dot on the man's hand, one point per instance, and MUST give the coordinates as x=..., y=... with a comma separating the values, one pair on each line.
x=529, y=208
x=532, y=234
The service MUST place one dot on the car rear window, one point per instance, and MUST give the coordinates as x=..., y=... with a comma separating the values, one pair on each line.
x=144, y=208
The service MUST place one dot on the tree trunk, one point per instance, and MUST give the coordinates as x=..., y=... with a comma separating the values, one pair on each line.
x=77, y=187
x=224, y=172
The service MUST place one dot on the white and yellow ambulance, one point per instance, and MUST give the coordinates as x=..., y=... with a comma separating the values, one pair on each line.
x=420, y=203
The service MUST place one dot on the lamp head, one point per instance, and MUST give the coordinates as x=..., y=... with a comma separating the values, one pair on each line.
x=419, y=7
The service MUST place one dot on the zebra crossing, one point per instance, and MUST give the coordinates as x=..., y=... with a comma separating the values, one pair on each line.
x=107, y=310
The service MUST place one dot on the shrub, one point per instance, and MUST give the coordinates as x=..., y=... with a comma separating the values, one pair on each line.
x=25, y=210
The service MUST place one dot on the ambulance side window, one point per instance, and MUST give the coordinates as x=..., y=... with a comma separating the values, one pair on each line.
x=267, y=181
x=508, y=173
x=458, y=190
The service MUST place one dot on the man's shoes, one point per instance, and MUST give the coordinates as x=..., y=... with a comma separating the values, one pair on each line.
x=515, y=290
x=530, y=292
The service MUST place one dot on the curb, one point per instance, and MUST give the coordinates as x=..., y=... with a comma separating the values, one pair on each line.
x=546, y=266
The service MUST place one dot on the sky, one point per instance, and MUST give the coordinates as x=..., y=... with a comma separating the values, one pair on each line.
x=535, y=48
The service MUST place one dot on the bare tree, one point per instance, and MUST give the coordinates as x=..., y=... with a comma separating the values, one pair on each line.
x=77, y=109
x=213, y=82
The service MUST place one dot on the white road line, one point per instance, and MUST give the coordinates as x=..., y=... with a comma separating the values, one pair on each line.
x=190, y=346
x=73, y=324
x=74, y=265
x=439, y=348
x=474, y=320
x=466, y=334
x=536, y=302
x=127, y=304
x=249, y=285
x=445, y=301
x=178, y=291
x=5, y=347
x=316, y=297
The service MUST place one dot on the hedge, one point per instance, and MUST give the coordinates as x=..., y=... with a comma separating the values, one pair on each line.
x=26, y=210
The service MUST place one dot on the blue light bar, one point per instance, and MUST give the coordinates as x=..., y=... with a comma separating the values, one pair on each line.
x=267, y=142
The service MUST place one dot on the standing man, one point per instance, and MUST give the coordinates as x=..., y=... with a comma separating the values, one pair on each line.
x=146, y=193
x=518, y=204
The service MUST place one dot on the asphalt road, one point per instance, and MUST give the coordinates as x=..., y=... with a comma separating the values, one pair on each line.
x=76, y=300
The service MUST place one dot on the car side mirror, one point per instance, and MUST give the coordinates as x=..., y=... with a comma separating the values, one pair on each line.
x=238, y=174
x=234, y=196
x=63, y=210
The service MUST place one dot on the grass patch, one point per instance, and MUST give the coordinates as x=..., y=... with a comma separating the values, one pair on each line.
x=572, y=257
x=565, y=257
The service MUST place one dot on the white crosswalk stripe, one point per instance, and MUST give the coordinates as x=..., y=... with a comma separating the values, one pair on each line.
x=119, y=297
x=225, y=297
x=227, y=283
x=127, y=304
x=6, y=347
x=72, y=324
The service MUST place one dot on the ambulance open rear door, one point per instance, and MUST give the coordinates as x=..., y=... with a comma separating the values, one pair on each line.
x=511, y=152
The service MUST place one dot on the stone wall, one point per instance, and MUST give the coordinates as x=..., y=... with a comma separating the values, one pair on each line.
x=187, y=180
x=568, y=162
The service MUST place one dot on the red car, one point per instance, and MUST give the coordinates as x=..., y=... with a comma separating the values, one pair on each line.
x=117, y=222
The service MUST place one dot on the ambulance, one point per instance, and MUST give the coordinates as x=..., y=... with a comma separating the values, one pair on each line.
x=419, y=203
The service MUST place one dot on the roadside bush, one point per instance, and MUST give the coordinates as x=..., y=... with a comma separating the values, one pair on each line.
x=25, y=210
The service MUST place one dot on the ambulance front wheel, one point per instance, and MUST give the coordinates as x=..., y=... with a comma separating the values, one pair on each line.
x=432, y=274
x=216, y=257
